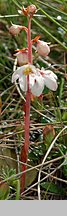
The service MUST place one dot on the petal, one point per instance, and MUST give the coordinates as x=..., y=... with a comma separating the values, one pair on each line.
x=23, y=83
x=17, y=74
x=51, y=73
x=32, y=80
x=38, y=85
x=51, y=83
x=48, y=73
x=34, y=70
x=50, y=79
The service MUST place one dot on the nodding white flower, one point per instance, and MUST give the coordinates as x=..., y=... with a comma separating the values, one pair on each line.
x=42, y=48
x=15, y=29
x=50, y=79
x=36, y=80
x=22, y=57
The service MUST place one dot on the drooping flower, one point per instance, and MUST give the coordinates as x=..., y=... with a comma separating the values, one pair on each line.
x=15, y=29
x=42, y=48
x=36, y=80
x=50, y=79
x=22, y=56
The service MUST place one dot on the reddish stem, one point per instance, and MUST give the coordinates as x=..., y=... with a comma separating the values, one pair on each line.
x=29, y=42
x=24, y=152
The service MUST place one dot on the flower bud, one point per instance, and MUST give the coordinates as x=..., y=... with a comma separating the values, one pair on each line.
x=32, y=9
x=29, y=11
x=22, y=57
x=15, y=29
x=42, y=48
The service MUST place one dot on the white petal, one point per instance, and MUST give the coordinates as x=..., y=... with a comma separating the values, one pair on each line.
x=34, y=70
x=17, y=74
x=48, y=73
x=50, y=83
x=38, y=86
x=23, y=83
x=50, y=79
x=32, y=80
x=51, y=73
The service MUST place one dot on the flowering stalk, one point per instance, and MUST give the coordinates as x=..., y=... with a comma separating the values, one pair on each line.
x=30, y=79
x=24, y=152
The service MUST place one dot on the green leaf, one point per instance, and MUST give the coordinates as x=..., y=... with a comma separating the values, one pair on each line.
x=65, y=171
x=64, y=117
x=4, y=191
x=51, y=187
x=18, y=189
x=30, y=177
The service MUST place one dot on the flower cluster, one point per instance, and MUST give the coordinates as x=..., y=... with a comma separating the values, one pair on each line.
x=37, y=78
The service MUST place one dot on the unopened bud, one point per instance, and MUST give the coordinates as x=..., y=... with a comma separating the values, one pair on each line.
x=32, y=9
x=29, y=11
x=15, y=29
x=42, y=48
x=22, y=57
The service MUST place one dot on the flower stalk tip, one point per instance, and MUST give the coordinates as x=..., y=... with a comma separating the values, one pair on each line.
x=29, y=11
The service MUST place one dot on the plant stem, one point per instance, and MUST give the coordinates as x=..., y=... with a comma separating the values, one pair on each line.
x=24, y=152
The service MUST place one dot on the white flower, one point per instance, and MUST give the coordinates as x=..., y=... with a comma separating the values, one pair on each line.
x=15, y=29
x=50, y=79
x=22, y=57
x=42, y=48
x=36, y=80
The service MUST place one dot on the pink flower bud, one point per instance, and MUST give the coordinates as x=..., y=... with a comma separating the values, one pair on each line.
x=15, y=29
x=22, y=57
x=42, y=48
x=29, y=11
x=32, y=9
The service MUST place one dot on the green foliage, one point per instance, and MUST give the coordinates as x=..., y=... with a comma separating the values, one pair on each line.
x=53, y=188
x=11, y=184
x=65, y=171
x=4, y=191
